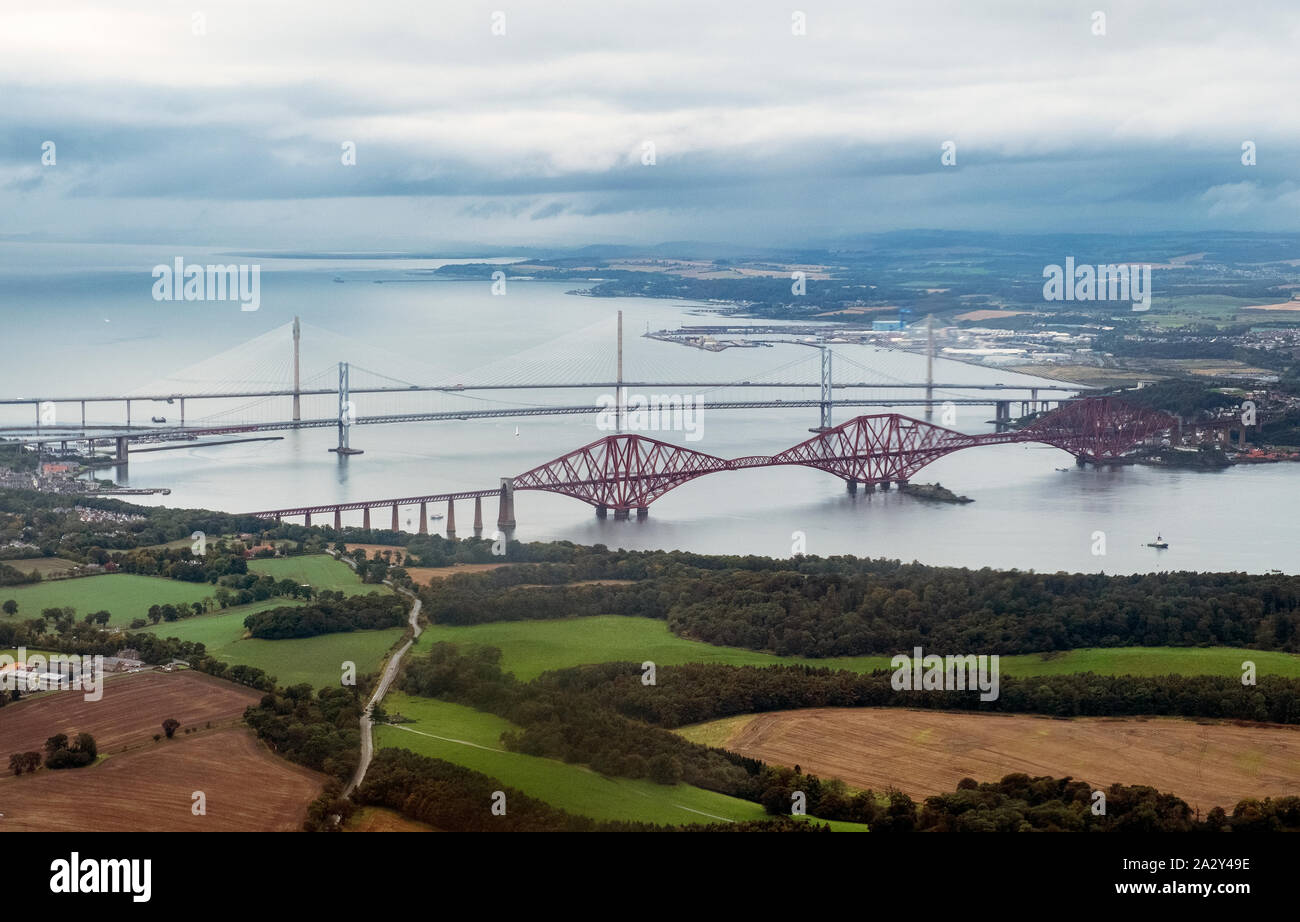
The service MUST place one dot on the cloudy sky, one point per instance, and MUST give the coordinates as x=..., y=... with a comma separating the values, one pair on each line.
x=221, y=123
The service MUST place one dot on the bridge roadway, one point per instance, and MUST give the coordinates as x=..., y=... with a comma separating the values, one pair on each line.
x=458, y=388
x=166, y=433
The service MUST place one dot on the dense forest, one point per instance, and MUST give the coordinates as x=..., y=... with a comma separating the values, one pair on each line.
x=321, y=729
x=841, y=606
x=1019, y=803
x=328, y=616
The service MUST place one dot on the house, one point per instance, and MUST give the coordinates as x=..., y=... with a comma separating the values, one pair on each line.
x=121, y=663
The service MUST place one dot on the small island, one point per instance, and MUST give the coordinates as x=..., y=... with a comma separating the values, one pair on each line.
x=1204, y=458
x=934, y=492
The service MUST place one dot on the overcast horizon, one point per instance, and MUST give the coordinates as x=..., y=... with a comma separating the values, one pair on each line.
x=232, y=130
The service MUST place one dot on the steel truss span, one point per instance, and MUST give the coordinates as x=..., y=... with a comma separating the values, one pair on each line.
x=630, y=471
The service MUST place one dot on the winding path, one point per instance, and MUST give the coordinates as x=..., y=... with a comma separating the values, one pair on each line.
x=390, y=673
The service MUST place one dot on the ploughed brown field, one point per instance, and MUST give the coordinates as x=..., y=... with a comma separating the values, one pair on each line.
x=139, y=784
x=247, y=788
x=927, y=752
x=130, y=712
x=424, y=576
x=1281, y=306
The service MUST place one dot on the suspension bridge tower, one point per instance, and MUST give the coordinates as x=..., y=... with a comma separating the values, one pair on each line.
x=347, y=414
x=827, y=402
x=297, y=385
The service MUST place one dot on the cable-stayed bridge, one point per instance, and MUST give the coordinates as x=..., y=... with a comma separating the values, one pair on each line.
x=258, y=387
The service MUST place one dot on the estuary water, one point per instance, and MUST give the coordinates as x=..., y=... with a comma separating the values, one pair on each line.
x=83, y=320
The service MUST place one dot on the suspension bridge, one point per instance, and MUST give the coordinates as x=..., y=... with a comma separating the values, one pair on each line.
x=624, y=472
x=258, y=388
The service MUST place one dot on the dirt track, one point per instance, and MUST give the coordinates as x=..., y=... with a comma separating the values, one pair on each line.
x=928, y=752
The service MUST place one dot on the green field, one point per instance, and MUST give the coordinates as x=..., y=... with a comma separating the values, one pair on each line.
x=317, y=660
x=472, y=738
x=320, y=570
x=715, y=732
x=1207, y=308
x=529, y=648
x=126, y=595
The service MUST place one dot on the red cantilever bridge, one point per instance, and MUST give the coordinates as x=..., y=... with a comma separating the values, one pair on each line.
x=629, y=471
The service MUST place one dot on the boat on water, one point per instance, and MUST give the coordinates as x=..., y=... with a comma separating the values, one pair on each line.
x=1064, y=470
x=1159, y=544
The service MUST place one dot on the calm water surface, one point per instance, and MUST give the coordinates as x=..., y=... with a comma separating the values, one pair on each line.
x=80, y=319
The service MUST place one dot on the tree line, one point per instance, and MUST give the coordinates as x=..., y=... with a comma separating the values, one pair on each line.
x=843, y=606
x=320, y=730
x=328, y=616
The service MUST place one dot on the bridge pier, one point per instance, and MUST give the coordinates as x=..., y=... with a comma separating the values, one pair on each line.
x=395, y=526
x=884, y=485
x=306, y=519
x=642, y=512
x=424, y=519
x=1002, y=416
x=122, y=449
x=365, y=518
x=338, y=519
x=478, y=516
x=620, y=515
x=451, y=520
x=506, y=505
x=852, y=486
x=601, y=510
